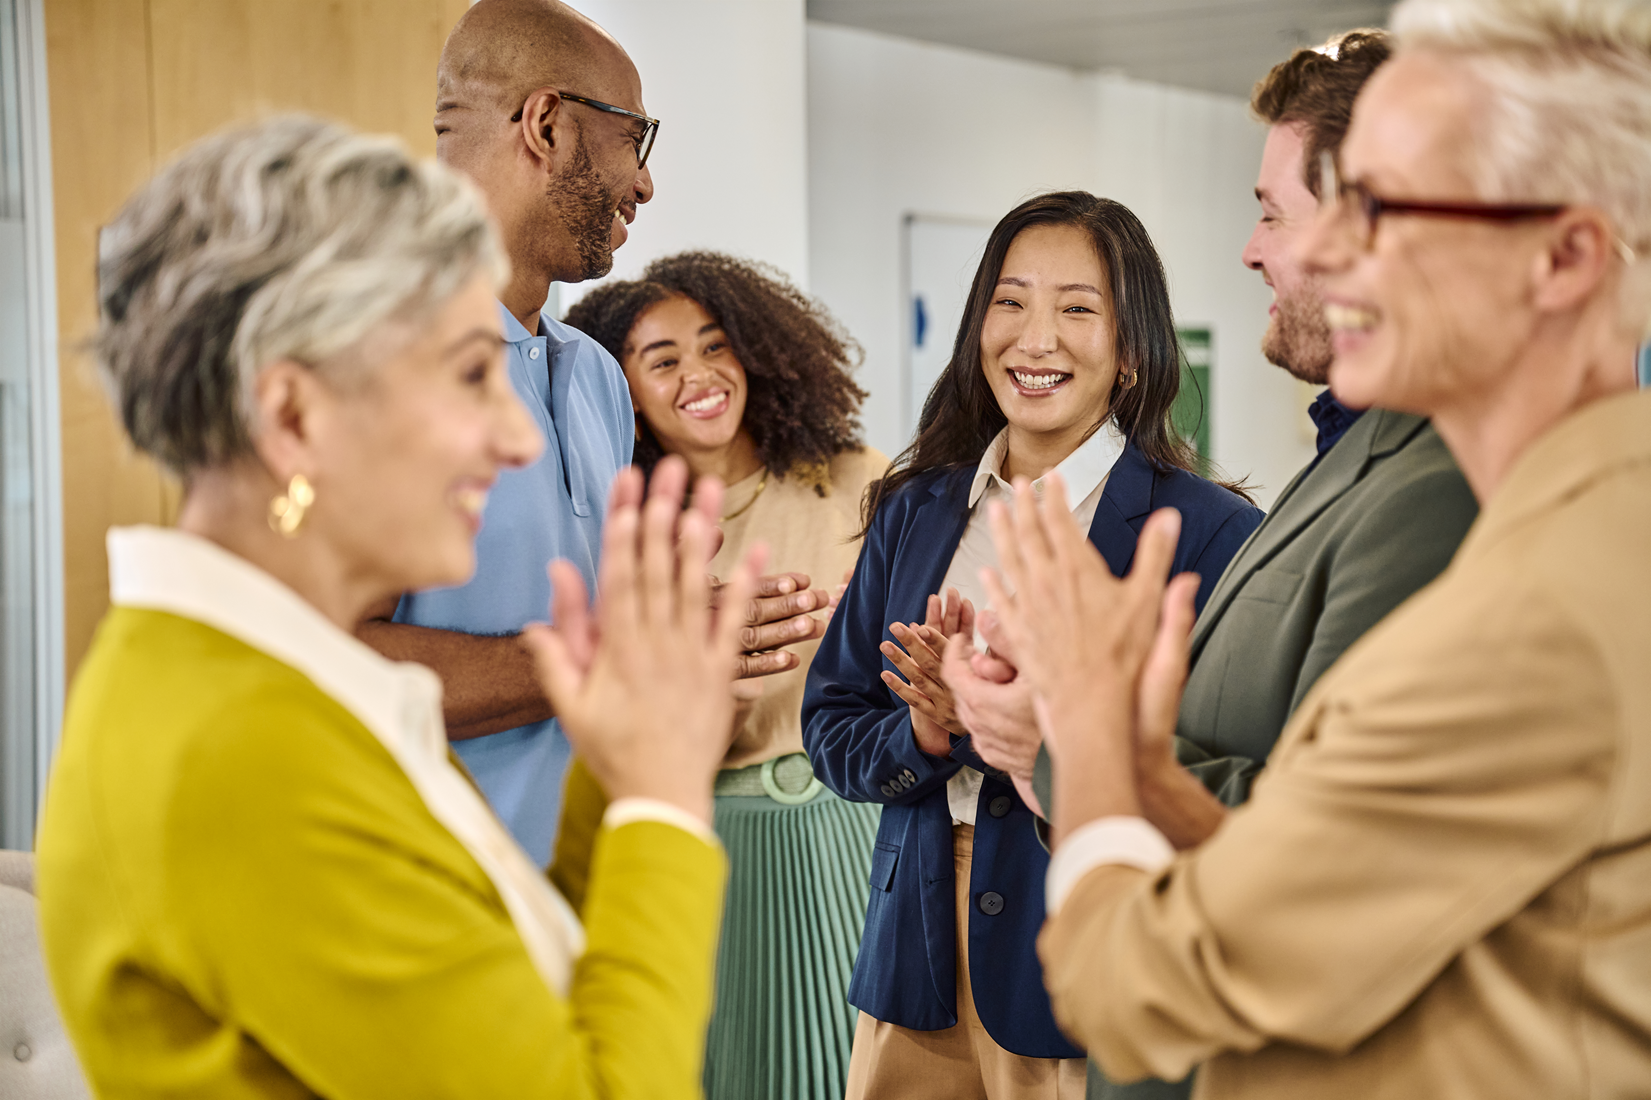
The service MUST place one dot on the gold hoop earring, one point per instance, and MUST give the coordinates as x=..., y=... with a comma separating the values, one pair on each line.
x=286, y=512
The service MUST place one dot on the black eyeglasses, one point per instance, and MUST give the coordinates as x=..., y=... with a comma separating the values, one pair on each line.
x=644, y=144
x=1368, y=208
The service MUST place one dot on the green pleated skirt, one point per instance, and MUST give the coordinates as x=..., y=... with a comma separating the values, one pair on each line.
x=796, y=907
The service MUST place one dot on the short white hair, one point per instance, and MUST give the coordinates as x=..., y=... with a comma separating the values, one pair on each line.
x=292, y=238
x=1568, y=117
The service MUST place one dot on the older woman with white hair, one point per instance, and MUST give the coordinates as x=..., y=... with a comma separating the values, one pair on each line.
x=260, y=872
x=1442, y=887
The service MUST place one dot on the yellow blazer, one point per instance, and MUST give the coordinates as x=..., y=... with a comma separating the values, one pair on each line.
x=243, y=895
x=1442, y=887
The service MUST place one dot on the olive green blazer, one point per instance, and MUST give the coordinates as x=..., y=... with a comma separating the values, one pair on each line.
x=1348, y=540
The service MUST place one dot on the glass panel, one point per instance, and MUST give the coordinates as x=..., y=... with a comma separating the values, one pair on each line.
x=18, y=725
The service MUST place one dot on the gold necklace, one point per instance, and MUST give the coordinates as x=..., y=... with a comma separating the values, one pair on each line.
x=746, y=507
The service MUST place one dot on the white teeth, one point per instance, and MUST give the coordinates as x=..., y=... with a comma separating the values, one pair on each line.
x=471, y=500
x=705, y=403
x=1039, y=381
x=1348, y=317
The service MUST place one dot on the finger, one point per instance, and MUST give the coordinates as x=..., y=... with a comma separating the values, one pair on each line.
x=725, y=633
x=693, y=595
x=998, y=642
x=659, y=515
x=769, y=609
x=1000, y=518
x=1165, y=674
x=748, y=666
x=933, y=612
x=966, y=620
x=902, y=661
x=798, y=628
x=921, y=653
x=992, y=668
x=781, y=584
x=956, y=668
x=560, y=676
x=951, y=616
x=1149, y=573
x=910, y=695
x=617, y=608
x=1029, y=536
x=1155, y=549
x=570, y=611
x=1060, y=531
x=626, y=490
x=707, y=499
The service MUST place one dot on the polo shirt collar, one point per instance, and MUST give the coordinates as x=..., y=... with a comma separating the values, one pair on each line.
x=1083, y=469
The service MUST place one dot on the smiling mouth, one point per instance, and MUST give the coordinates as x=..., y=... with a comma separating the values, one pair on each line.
x=472, y=501
x=709, y=405
x=1037, y=381
x=1342, y=318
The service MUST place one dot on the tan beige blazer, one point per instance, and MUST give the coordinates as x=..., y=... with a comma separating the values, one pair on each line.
x=1442, y=887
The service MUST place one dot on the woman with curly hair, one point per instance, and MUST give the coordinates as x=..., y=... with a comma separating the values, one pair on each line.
x=747, y=379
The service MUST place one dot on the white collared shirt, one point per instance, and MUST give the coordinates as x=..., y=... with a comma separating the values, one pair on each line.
x=399, y=702
x=1085, y=471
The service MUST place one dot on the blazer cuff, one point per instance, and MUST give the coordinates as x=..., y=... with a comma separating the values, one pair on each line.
x=628, y=810
x=1132, y=841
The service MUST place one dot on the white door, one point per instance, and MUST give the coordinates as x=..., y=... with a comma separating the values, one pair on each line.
x=941, y=257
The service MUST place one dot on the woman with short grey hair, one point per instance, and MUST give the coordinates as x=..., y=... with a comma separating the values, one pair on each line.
x=260, y=871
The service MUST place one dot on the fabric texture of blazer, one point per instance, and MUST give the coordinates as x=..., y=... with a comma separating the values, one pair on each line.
x=1442, y=885
x=1349, y=539
x=858, y=735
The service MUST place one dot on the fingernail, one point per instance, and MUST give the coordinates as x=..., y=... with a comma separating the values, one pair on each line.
x=787, y=586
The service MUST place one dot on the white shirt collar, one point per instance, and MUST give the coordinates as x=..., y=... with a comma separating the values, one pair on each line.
x=400, y=703
x=1083, y=469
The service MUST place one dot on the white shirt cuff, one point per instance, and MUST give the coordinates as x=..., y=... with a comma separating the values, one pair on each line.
x=628, y=810
x=1131, y=841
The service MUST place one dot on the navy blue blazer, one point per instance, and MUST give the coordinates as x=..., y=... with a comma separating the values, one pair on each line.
x=858, y=735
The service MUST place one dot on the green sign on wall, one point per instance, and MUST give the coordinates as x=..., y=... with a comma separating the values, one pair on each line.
x=1193, y=411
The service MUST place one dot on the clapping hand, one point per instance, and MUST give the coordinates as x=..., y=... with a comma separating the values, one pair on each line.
x=641, y=682
x=1084, y=639
x=933, y=712
x=994, y=703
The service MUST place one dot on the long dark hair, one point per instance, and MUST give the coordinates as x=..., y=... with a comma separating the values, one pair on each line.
x=801, y=406
x=961, y=416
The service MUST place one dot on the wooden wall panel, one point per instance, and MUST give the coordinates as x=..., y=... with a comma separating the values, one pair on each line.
x=133, y=81
x=97, y=67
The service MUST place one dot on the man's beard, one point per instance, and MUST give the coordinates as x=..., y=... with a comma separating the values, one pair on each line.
x=586, y=210
x=1299, y=339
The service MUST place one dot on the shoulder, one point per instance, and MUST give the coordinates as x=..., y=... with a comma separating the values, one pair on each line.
x=852, y=470
x=897, y=510
x=1201, y=502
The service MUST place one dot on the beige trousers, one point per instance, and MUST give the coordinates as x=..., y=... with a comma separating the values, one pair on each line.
x=961, y=1062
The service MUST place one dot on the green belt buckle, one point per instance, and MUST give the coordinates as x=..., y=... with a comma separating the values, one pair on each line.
x=772, y=789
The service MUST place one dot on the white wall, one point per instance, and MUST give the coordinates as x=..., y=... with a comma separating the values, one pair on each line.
x=1186, y=162
x=730, y=169
x=897, y=126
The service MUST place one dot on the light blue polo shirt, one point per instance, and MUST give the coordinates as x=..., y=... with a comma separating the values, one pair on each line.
x=576, y=393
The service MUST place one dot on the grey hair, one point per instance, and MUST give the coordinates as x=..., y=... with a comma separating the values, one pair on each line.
x=292, y=238
x=1568, y=119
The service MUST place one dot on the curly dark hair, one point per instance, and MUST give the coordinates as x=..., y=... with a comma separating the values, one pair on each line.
x=961, y=415
x=802, y=405
x=1316, y=86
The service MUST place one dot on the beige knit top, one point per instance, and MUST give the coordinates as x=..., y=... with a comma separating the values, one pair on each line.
x=805, y=533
